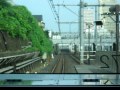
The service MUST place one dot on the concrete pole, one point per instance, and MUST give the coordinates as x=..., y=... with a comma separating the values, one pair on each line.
x=117, y=7
x=89, y=44
x=95, y=31
x=117, y=29
x=81, y=32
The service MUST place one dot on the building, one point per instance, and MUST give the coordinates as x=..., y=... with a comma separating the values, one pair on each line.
x=40, y=21
x=108, y=23
x=56, y=36
x=89, y=19
x=104, y=38
x=42, y=24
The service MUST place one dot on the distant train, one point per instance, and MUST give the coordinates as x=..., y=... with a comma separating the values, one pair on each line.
x=106, y=47
x=73, y=48
x=56, y=49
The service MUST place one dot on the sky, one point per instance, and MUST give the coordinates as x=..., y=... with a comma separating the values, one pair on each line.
x=41, y=7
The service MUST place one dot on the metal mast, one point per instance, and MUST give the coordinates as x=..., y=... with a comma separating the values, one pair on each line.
x=81, y=32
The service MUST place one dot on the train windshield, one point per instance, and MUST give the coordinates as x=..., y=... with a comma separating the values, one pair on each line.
x=60, y=39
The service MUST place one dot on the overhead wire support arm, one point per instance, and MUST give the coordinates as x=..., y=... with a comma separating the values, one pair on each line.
x=68, y=22
x=70, y=10
x=110, y=15
x=67, y=5
x=85, y=5
x=99, y=5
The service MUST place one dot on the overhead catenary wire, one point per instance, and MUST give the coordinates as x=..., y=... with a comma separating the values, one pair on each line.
x=56, y=15
x=52, y=10
x=70, y=10
x=58, y=19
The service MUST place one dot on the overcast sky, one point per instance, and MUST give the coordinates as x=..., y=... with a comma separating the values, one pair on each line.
x=41, y=7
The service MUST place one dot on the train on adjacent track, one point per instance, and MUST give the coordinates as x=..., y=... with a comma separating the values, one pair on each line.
x=73, y=48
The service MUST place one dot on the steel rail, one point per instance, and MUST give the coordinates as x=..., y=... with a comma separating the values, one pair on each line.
x=56, y=65
x=21, y=65
x=54, y=68
x=63, y=66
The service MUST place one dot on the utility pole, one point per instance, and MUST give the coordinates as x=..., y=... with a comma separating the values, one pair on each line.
x=89, y=37
x=116, y=9
x=81, y=32
x=117, y=28
x=95, y=31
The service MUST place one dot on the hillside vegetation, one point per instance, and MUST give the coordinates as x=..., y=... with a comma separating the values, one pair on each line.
x=19, y=22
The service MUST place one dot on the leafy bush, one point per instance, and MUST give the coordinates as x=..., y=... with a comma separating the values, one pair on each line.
x=19, y=22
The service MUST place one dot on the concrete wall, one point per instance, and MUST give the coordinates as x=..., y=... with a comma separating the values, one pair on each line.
x=105, y=59
x=7, y=43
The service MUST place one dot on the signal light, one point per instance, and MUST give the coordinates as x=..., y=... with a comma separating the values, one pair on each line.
x=99, y=23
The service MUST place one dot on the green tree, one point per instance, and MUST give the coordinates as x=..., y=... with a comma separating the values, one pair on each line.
x=19, y=22
x=5, y=3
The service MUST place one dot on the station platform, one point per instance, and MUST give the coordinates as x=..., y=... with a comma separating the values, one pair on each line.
x=84, y=68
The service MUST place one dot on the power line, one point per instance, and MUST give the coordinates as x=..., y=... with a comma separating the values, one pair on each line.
x=85, y=5
x=56, y=15
x=70, y=10
x=52, y=10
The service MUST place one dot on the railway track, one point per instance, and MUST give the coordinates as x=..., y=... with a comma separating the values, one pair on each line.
x=12, y=69
x=87, y=56
x=59, y=66
x=75, y=59
x=14, y=64
x=65, y=64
